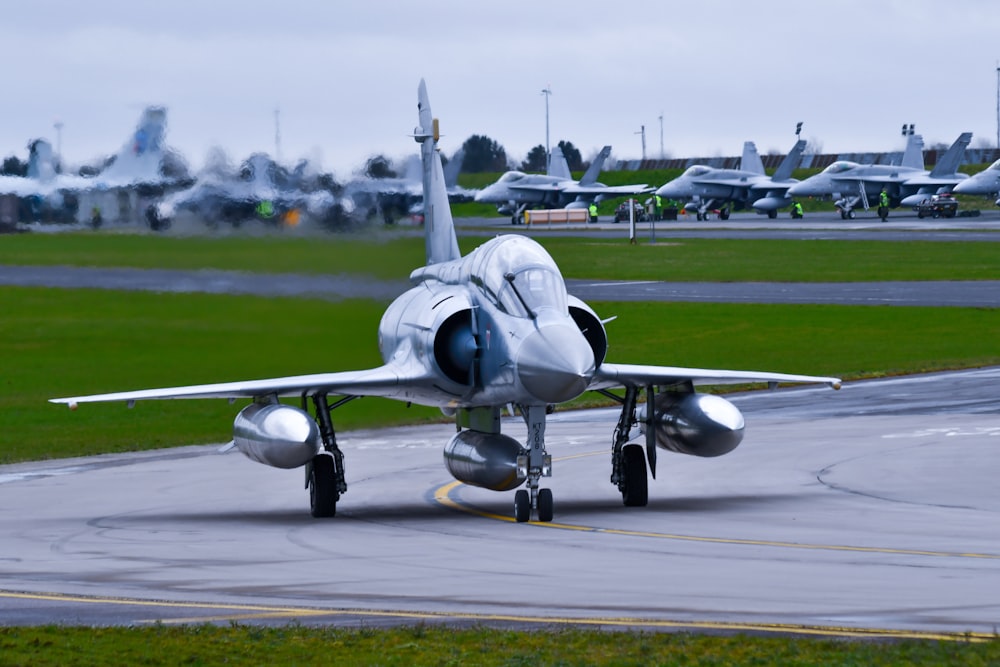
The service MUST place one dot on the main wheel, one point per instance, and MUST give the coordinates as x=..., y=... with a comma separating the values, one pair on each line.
x=545, y=504
x=850, y=214
x=772, y=214
x=724, y=214
x=522, y=506
x=323, y=494
x=636, y=493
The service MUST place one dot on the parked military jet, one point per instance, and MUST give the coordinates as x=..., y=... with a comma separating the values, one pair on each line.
x=515, y=191
x=392, y=198
x=140, y=172
x=705, y=188
x=850, y=183
x=986, y=182
x=473, y=334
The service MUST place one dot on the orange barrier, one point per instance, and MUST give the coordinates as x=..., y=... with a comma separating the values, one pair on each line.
x=556, y=215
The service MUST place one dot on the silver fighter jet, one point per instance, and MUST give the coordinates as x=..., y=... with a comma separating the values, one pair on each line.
x=706, y=188
x=986, y=182
x=850, y=183
x=474, y=334
x=515, y=191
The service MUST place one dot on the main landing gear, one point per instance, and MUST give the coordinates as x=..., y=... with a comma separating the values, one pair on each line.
x=534, y=464
x=325, y=473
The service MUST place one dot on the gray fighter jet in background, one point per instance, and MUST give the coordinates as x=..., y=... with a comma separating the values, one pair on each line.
x=850, y=183
x=130, y=181
x=515, y=191
x=986, y=183
x=705, y=188
x=474, y=334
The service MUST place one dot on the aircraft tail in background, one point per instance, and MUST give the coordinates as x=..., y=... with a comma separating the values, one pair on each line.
x=947, y=164
x=751, y=159
x=594, y=170
x=790, y=163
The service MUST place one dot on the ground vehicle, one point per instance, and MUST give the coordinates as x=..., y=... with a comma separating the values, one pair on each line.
x=938, y=206
x=621, y=213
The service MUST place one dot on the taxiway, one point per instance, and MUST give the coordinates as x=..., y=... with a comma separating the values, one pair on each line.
x=871, y=511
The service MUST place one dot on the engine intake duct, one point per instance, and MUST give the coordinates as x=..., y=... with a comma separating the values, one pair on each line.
x=488, y=460
x=695, y=424
x=455, y=347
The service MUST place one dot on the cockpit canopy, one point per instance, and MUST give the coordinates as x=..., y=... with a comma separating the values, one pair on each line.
x=536, y=277
x=511, y=177
x=839, y=167
x=696, y=170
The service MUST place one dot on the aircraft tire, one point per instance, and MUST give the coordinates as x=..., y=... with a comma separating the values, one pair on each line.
x=850, y=215
x=322, y=487
x=545, y=510
x=636, y=492
x=772, y=214
x=724, y=214
x=522, y=506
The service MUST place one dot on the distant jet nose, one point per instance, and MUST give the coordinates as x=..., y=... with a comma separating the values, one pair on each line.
x=487, y=194
x=555, y=363
x=669, y=190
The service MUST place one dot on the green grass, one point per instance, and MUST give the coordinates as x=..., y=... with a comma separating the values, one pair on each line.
x=393, y=256
x=422, y=645
x=58, y=343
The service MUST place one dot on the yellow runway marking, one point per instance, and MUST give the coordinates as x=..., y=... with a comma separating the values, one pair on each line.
x=443, y=495
x=252, y=612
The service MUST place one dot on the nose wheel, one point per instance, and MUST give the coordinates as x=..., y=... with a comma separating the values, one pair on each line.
x=543, y=505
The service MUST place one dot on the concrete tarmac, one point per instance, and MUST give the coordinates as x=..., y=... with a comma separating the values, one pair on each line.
x=871, y=511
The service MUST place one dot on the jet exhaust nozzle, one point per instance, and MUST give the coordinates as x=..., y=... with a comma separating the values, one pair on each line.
x=277, y=435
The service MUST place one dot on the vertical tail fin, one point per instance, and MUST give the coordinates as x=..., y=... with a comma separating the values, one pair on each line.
x=439, y=228
x=558, y=166
x=751, y=159
x=947, y=164
x=594, y=170
x=454, y=168
x=913, y=154
x=791, y=161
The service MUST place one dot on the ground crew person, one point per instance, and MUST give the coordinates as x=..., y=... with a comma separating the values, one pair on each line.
x=659, y=207
x=883, y=205
x=593, y=212
x=796, y=209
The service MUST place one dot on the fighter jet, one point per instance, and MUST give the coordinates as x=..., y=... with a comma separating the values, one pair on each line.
x=515, y=191
x=143, y=170
x=850, y=183
x=404, y=195
x=474, y=334
x=986, y=182
x=705, y=188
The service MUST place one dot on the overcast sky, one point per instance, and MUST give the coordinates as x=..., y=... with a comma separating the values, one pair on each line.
x=344, y=74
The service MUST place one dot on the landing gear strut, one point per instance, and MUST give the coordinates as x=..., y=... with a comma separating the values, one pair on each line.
x=535, y=464
x=325, y=473
x=628, y=465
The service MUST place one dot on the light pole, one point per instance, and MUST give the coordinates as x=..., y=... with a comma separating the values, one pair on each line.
x=547, y=91
x=663, y=156
x=998, y=105
x=642, y=131
x=58, y=125
x=277, y=135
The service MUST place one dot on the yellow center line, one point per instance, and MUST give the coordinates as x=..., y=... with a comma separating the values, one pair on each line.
x=252, y=611
x=443, y=495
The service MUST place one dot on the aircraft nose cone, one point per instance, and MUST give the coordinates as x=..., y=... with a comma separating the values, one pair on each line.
x=555, y=363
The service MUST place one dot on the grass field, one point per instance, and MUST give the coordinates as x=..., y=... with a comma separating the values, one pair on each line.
x=390, y=255
x=72, y=342
x=422, y=645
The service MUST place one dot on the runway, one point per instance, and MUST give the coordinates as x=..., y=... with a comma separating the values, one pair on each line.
x=871, y=511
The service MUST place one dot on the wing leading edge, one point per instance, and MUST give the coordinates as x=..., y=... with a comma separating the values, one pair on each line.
x=389, y=381
x=617, y=375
